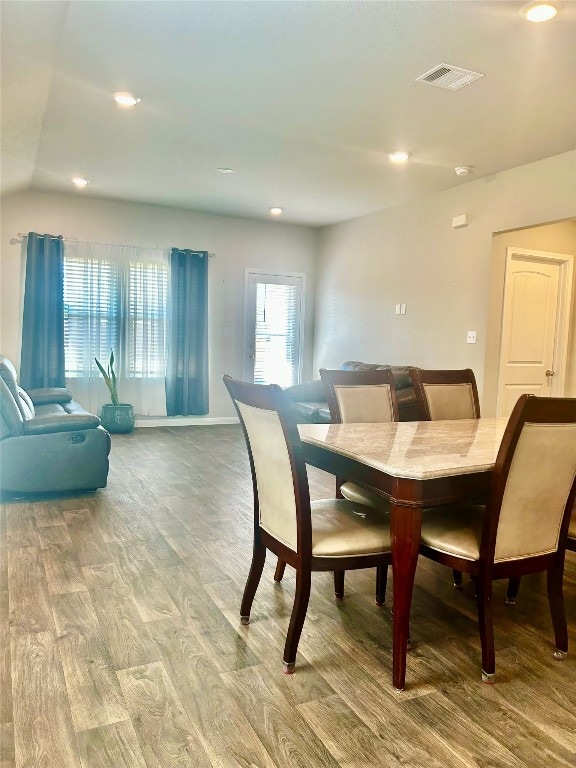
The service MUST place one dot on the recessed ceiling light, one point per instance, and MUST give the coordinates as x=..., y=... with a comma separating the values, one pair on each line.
x=226, y=170
x=276, y=211
x=80, y=182
x=463, y=170
x=539, y=11
x=399, y=157
x=125, y=99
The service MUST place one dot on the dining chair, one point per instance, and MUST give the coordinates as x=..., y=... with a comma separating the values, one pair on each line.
x=326, y=535
x=361, y=396
x=450, y=394
x=524, y=525
x=446, y=394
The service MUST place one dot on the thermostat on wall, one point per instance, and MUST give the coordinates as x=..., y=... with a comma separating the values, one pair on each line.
x=460, y=221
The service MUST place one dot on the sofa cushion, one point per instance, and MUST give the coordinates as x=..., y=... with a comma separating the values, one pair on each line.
x=50, y=409
x=50, y=395
x=60, y=422
x=308, y=391
x=74, y=408
x=323, y=415
x=308, y=411
x=356, y=365
x=401, y=373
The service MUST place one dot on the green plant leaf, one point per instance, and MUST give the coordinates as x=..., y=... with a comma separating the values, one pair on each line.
x=109, y=377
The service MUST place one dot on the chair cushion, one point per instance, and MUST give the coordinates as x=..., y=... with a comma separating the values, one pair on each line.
x=454, y=530
x=450, y=401
x=341, y=528
x=364, y=403
x=360, y=495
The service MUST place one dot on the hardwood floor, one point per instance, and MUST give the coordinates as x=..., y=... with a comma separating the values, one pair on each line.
x=123, y=647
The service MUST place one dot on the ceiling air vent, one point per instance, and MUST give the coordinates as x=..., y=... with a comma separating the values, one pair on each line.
x=447, y=76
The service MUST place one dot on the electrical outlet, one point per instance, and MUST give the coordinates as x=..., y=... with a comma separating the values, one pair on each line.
x=471, y=338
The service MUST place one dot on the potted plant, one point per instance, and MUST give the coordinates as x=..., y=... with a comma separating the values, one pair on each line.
x=115, y=416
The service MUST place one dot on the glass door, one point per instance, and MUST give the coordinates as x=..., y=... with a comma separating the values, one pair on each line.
x=274, y=313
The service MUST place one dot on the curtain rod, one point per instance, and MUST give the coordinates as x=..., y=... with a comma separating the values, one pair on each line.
x=20, y=236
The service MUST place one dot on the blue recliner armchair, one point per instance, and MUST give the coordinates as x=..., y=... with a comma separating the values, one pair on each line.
x=48, y=442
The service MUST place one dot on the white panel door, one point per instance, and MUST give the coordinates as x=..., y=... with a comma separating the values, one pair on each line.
x=529, y=330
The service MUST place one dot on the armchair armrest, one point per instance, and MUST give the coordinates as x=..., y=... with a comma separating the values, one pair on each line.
x=60, y=423
x=49, y=395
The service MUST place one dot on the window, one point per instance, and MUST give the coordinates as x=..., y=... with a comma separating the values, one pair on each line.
x=115, y=305
x=115, y=297
x=147, y=286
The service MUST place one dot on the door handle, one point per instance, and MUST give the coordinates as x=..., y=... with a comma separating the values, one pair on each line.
x=550, y=373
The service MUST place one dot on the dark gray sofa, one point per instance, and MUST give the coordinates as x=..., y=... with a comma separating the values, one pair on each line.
x=311, y=405
x=48, y=442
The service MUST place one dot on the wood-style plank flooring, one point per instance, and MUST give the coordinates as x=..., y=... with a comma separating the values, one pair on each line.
x=121, y=645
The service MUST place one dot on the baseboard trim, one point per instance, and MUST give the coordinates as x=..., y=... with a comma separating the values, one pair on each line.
x=184, y=421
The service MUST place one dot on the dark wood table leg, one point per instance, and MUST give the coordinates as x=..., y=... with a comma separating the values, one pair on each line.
x=406, y=523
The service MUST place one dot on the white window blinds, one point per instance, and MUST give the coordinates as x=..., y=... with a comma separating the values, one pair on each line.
x=276, y=350
x=91, y=313
x=147, y=285
x=115, y=297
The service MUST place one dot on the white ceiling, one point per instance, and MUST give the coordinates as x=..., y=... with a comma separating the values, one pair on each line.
x=303, y=99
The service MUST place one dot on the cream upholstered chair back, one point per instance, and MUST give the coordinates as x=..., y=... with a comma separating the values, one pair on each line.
x=361, y=396
x=535, y=479
x=445, y=394
x=280, y=492
x=539, y=482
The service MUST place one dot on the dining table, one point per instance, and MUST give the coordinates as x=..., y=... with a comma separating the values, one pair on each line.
x=414, y=464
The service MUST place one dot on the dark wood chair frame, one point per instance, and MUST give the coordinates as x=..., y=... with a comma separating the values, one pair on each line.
x=332, y=379
x=271, y=397
x=535, y=410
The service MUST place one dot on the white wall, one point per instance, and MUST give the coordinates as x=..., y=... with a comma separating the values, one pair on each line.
x=411, y=254
x=237, y=244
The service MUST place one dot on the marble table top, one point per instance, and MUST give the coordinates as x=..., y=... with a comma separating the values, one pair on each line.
x=414, y=449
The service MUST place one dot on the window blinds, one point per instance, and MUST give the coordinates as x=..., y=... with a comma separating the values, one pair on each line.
x=115, y=304
x=277, y=334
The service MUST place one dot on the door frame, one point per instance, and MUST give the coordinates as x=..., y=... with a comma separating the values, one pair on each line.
x=565, y=262
x=248, y=374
